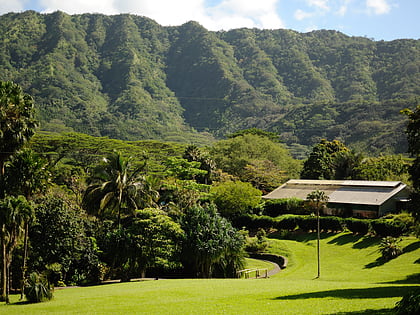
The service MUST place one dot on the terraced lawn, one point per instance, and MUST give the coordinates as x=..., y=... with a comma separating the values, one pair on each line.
x=353, y=281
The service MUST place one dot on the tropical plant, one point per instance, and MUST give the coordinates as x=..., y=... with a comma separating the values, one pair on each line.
x=116, y=189
x=257, y=244
x=209, y=239
x=14, y=212
x=390, y=248
x=409, y=304
x=17, y=122
x=26, y=174
x=194, y=153
x=317, y=200
x=38, y=289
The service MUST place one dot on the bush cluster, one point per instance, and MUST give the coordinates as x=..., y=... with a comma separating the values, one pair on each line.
x=276, y=207
x=308, y=223
x=385, y=228
x=357, y=226
x=409, y=304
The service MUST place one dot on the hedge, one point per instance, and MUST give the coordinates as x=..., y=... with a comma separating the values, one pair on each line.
x=357, y=226
x=385, y=228
x=276, y=207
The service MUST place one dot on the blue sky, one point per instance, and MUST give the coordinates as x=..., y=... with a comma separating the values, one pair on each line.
x=377, y=19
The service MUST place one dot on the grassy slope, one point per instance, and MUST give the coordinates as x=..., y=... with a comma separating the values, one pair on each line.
x=352, y=281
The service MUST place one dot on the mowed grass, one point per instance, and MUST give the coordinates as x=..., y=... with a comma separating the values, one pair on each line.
x=353, y=281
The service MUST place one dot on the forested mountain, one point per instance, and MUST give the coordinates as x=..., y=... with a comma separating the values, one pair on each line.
x=127, y=77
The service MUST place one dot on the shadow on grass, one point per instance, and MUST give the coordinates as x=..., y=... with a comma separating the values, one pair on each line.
x=345, y=239
x=411, y=279
x=412, y=247
x=384, y=311
x=378, y=262
x=365, y=293
x=367, y=242
x=307, y=237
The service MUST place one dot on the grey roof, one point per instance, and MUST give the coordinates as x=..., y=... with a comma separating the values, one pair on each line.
x=340, y=191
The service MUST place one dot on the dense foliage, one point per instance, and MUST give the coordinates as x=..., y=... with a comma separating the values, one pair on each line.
x=127, y=77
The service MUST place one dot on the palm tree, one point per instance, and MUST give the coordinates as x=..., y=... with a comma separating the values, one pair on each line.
x=317, y=200
x=117, y=189
x=17, y=123
x=26, y=174
x=14, y=212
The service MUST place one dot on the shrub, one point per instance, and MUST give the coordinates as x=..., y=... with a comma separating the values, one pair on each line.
x=307, y=223
x=357, y=226
x=389, y=248
x=409, y=304
x=38, y=288
x=276, y=207
x=257, y=244
x=333, y=224
x=388, y=228
x=286, y=222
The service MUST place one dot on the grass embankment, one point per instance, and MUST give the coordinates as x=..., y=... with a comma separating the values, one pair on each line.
x=353, y=281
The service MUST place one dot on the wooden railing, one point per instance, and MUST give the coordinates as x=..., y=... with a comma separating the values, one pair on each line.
x=259, y=273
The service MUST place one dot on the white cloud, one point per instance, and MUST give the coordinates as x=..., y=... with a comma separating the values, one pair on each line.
x=321, y=4
x=343, y=9
x=165, y=12
x=7, y=6
x=79, y=6
x=378, y=6
x=245, y=13
x=225, y=14
x=301, y=15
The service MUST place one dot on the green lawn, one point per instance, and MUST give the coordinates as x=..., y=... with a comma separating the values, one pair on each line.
x=353, y=281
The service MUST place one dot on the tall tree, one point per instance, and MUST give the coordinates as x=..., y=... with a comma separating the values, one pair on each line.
x=317, y=200
x=17, y=122
x=118, y=189
x=14, y=212
x=27, y=174
x=413, y=137
x=320, y=164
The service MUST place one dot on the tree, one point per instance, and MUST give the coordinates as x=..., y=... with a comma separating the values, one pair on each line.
x=61, y=236
x=235, y=154
x=317, y=200
x=26, y=174
x=413, y=138
x=209, y=240
x=14, y=212
x=17, y=122
x=320, y=164
x=118, y=189
x=154, y=239
x=384, y=167
x=234, y=198
x=194, y=154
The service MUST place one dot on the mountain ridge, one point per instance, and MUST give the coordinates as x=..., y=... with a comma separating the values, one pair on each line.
x=127, y=77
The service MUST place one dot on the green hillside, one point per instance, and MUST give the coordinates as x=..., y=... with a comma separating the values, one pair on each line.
x=127, y=77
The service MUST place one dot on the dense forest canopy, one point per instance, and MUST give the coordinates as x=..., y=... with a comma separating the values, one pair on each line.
x=127, y=77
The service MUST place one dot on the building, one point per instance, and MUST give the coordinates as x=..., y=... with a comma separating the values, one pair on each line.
x=357, y=198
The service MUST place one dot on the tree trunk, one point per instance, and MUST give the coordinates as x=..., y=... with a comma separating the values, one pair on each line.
x=25, y=257
x=3, y=266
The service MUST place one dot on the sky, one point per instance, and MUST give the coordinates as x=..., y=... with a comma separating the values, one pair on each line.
x=375, y=19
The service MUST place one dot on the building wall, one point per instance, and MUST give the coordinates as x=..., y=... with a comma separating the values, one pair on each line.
x=390, y=206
